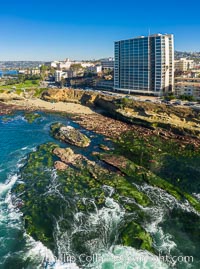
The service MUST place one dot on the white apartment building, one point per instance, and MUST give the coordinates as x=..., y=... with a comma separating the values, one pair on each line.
x=86, y=64
x=145, y=64
x=59, y=75
x=183, y=64
x=95, y=69
x=187, y=86
x=67, y=64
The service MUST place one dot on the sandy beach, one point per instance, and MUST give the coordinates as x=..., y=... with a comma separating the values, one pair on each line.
x=36, y=103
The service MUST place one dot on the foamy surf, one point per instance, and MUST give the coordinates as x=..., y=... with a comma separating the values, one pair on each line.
x=120, y=257
x=5, y=187
x=44, y=257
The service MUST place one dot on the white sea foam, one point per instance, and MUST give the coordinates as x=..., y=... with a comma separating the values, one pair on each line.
x=44, y=257
x=5, y=187
x=109, y=190
x=197, y=195
x=10, y=219
x=105, y=222
x=13, y=119
x=163, y=202
x=120, y=257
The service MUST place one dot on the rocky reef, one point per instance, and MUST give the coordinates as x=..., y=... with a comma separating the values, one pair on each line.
x=6, y=109
x=61, y=189
x=31, y=116
x=69, y=135
x=80, y=178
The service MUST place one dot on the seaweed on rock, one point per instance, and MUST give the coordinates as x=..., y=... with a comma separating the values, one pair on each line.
x=48, y=194
x=31, y=116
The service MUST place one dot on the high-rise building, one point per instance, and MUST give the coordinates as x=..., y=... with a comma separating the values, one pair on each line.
x=145, y=64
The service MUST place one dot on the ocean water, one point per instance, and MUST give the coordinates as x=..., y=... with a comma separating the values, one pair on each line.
x=8, y=72
x=18, y=250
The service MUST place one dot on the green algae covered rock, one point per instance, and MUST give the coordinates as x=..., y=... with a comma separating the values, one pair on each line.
x=69, y=135
x=31, y=117
x=139, y=174
x=134, y=235
x=34, y=205
x=161, y=163
x=45, y=192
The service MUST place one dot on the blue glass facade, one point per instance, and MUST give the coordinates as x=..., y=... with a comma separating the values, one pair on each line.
x=132, y=64
x=140, y=63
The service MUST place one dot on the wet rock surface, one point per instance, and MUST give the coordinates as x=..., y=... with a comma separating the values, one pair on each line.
x=112, y=128
x=66, y=155
x=8, y=109
x=60, y=165
x=69, y=135
x=31, y=117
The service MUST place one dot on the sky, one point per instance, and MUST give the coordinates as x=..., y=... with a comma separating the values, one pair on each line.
x=55, y=30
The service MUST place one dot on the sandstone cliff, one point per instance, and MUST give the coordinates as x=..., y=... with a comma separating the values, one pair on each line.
x=180, y=120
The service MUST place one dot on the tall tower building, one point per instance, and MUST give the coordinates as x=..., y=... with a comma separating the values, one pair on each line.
x=145, y=64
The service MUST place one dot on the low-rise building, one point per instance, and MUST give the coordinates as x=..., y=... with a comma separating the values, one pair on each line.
x=95, y=69
x=86, y=64
x=107, y=63
x=59, y=75
x=35, y=71
x=183, y=64
x=187, y=86
x=30, y=71
x=104, y=84
x=66, y=64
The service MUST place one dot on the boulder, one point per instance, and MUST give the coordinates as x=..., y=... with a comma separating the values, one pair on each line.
x=60, y=166
x=67, y=155
x=104, y=147
x=70, y=135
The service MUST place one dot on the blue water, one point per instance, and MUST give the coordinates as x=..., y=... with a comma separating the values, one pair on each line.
x=8, y=72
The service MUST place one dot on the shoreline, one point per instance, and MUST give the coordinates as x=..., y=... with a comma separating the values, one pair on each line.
x=91, y=120
x=38, y=104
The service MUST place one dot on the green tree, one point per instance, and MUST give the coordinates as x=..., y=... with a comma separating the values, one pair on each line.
x=187, y=97
x=43, y=70
x=76, y=67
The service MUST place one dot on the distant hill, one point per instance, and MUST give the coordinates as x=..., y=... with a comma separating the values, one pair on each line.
x=19, y=64
x=190, y=55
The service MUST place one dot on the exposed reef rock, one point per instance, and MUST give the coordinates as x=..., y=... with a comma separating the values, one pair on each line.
x=69, y=95
x=123, y=175
x=135, y=236
x=9, y=97
x=83, y=180
x=67, y=155
x=69, y=135
x=31, y=117
x=60, y=165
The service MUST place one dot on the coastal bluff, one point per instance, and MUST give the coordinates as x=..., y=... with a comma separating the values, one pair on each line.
x=179, y=120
